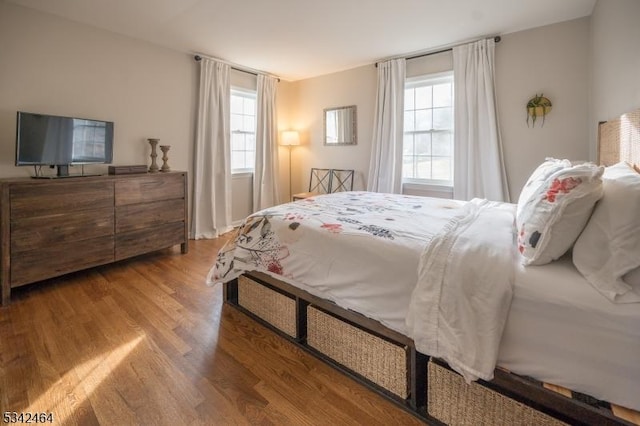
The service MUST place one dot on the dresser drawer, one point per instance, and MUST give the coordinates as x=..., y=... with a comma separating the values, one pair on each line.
x=59, y=198
x=145, y=240
x=153, y=187
x=133, y=217
x=58, y=259
x=46, y=231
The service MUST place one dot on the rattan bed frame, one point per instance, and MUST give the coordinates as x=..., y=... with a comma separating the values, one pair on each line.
x=619, y=140
x=430, y=390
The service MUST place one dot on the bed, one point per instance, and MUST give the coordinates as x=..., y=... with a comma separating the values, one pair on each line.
x=371, y=322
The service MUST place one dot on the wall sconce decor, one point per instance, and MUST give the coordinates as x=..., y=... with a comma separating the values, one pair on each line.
x=538, y=106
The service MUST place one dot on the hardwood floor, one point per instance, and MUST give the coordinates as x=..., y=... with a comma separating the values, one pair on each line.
x=144, y=341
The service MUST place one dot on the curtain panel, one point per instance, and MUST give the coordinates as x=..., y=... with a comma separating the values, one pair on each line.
x=211, y=211
x=478, y=159
x=385, y=167
x=265, y=177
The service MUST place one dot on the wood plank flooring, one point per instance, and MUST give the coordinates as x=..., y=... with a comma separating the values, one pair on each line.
x=144, y=341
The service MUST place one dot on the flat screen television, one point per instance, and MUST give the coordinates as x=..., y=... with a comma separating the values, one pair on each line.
x=62, y=141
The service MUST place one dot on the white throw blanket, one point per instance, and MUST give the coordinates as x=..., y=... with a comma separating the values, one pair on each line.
x=460, y=304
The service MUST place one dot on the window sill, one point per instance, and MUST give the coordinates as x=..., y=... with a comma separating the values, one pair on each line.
x=427, y=190
x=426, y=186
x=240, y=175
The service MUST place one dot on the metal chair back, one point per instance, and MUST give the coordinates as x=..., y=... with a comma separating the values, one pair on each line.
x=320, y=181
x=341, y=180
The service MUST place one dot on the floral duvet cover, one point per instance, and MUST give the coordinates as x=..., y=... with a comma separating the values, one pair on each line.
x=358, y=249
x=439, y=271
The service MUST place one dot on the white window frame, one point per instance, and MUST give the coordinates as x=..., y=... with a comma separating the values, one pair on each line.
x=245, y=93
x=431, y=79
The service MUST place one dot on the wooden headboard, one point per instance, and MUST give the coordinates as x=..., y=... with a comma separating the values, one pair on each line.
x=619, y=140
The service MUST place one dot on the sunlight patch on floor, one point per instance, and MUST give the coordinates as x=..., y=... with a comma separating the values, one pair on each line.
x=68, y=393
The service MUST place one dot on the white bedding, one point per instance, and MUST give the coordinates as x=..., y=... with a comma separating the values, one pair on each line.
x=560, y=330
x=374, y=253
x=358, y=249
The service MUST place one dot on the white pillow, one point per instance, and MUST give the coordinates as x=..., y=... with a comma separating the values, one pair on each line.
x=538, y=177
x=553, y=211
x=608, y=251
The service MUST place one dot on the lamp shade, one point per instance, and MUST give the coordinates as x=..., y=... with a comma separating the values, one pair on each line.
x=289, y=138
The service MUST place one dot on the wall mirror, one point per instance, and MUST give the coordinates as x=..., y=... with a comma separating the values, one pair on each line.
x=340, y=125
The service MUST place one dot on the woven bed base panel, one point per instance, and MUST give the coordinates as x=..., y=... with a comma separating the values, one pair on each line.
x=273, y=307
x=376, y=359
x=454, y=402
x=619, y=140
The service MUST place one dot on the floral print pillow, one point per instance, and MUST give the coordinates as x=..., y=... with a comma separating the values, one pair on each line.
x=554, y=208
x=538, y=178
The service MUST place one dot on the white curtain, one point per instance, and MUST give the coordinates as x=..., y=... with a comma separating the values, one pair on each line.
x=385, y=167
x=478, y=160
x=211, y=212
x=265, y=177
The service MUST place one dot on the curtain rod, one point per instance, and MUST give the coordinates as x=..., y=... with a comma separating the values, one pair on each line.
x=420, y=55
x=198, y=58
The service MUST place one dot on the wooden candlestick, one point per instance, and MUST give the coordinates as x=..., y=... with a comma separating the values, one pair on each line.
x=154, y=166
x=165, y=159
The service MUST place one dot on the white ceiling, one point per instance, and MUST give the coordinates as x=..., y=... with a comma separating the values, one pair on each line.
x=298, y=39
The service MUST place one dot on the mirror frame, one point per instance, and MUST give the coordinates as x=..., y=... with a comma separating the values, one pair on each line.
x=354, y=125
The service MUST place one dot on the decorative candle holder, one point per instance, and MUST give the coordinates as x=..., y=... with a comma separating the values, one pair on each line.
x=154, y=166
x=165, y=159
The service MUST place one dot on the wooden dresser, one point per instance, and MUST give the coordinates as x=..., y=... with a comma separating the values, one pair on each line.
x=52, y=227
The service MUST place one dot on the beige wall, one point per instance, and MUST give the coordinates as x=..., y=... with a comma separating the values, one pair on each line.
x=552, y=60
x=614, y=63
x=430, y=64
x=309, y=98
x=352, y=87
x=55, y=66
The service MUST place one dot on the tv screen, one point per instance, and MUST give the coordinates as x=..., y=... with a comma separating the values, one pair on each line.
x=60, y=141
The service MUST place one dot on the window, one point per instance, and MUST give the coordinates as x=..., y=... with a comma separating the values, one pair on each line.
x=243, y=130
x=428, y=130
